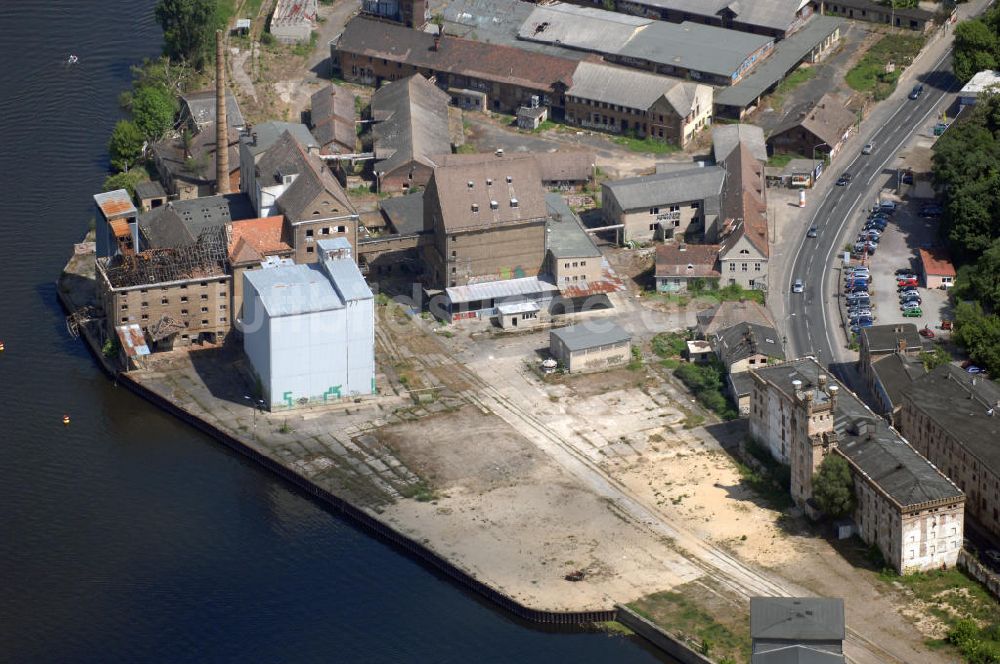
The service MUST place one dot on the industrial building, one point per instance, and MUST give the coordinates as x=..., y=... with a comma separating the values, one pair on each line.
x=592, y=346
x=198, y=110
x=904, y=505
x=797, y=630
x=116, y=224
x=411, y=126
x=953, y=419
x=987, y=80
x=333, y=116
x=742, y=347
x=251, y=242
x=187, y=167
x=293, y=20
x=821, y=129
x=309, y=330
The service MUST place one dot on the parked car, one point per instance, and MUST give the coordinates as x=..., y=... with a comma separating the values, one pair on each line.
x=857, y=269
x=905, y=276
x=887, y=206
x=843, y=179
x=877, y=224
x=812, y=232
x=911, y=299
x=904, y=271
x=940, y=128
x=917, y=90
x=861, y=319
x=973, y=369
x=906, y=283
x=906, y=306
x=916, y=312
x=930, y=210
x=910, y=292
x=868, y=148
x=798, y=286
x=859, y=326
x=907, y=177
x=859, y=297
x=926, y=332
x=861, y=302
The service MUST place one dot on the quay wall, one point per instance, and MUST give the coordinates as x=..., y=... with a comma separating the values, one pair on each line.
x=659, y=637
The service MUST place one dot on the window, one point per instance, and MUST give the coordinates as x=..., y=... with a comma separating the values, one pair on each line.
x=756, y=267
x=575, y=264
x=204, y=296
x=652, y=227
x=204, y=321
x=743, y=267
x=184, y=312
x=124, y=319
x=325, y=230
x=204, y=310
x=309, y=250
x=164, y=300
x=583, y=263
x=309, y=233
x=222, y=307
x=184, y=298
x=675, y=208
x=144, y=304
x=654, y=210
x=732, y=267
x=124, y=307
x=145, y=317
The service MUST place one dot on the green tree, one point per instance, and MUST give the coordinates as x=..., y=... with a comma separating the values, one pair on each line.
x=187, y=29
x=975, y=48
x=153, y=111
x=125, y=146
x=979, y=333
x=934, y=358
x=984, y=278
x=833, y=487
x=126, y=180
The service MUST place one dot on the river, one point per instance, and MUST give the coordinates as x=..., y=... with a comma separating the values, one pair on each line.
x=127, y=536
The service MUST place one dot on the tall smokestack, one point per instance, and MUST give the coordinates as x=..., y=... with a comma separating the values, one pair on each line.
x=221, y=125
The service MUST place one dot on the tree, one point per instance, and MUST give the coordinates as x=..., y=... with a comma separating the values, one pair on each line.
x=833, y=487
x=126, y=181
x=984, y=278
x=934, y=358
x=187, y=29
x=153, y=111
x=979, y=334
x=125, y=146
x=975, y=49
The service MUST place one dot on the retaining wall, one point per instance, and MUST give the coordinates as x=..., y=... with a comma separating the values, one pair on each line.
x=659, y=637
x=979, y=572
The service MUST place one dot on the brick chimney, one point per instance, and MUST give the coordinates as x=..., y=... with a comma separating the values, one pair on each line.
x=221, y=124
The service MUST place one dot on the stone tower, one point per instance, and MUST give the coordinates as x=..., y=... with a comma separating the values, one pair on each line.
x=813, y=434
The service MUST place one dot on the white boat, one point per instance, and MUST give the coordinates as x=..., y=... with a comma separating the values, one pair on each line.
x=72, y=60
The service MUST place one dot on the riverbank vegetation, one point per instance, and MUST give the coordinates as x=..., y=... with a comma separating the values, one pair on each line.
x=966, y=167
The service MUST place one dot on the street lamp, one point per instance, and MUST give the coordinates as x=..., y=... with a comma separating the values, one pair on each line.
x=255, y=404
x=814, y=155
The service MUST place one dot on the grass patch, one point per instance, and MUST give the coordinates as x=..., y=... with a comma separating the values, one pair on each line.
x=419, y=492
x=670, y=363
x=303, y=50
x=870, y=74
x=707, y=383
x=781, y=160
x=465, y=148
x=545, y=125
x=727, y=641
x=636, y=363
x=614, y=627
x=795, y=79
x=670, y=344
x=648, y=144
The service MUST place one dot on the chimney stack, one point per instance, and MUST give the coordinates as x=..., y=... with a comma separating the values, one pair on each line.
x=221, y=125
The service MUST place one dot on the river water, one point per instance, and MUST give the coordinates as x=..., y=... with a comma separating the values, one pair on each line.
x=127, y=536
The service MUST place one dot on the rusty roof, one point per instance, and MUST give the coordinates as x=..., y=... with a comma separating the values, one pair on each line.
x=115, y=203
x=936, y=262
x=132, y=340
x=250, y=240
x=489, y=62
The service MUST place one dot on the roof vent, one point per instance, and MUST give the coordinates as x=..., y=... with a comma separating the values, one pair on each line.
x=475, y=207
x=509, y=179
x=499, y=152
x=513, y=202
x=489, y=182
x=494, y=205
x=471, y=184
x=796, y=385
x=682, y=247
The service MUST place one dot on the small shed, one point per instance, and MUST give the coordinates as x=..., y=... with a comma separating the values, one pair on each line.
x=937, y=268
x=150, y=195
x=699, y=351
x=242, y=26
x=531, y=117
x=518, y=315
x=591, y=346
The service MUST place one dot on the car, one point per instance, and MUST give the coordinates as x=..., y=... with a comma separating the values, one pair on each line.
x=859, y=297
x=887, y=206
x=909, y=305
x=843, y=179
x=798, y=286
x=915, y=300
x=930, y=210
x=926, y=332
x=880, y=224
x=917, y=90
x=906, y=283
x=868, y=236
x=940, y=128
x=908, y=294
x=856, y=281
x=868, y=148
x=906, y=276
x=861, y=319
x=857, y=269
x=973, y=369
x=860, y=326
x=861, y=302
x=916, y=312
x=812, y=232
x=859, y=311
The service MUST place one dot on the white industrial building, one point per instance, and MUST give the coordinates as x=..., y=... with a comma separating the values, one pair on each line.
x=984, y=81
x=309, y=330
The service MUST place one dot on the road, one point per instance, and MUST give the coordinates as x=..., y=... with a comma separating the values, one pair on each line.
x=811, y=328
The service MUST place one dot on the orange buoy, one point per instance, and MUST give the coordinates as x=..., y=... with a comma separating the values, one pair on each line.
x=1, y=347
x=66, y=420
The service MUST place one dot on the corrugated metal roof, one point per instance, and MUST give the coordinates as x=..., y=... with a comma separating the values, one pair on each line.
x=115, y=203
x=593, y=333
x=289, y=290
x=518, y=308
x=665, y=188
x=490, y=290
x=797, y=618
x=564, y=234
x=630, y=87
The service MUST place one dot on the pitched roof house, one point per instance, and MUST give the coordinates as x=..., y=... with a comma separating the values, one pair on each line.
x=332, y=116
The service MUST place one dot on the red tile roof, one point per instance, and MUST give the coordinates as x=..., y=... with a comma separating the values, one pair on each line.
x=936, y=262
x=687, y=260
x=252, y=239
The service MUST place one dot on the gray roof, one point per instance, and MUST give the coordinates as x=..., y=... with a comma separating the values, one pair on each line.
x=590, y=334
x=896, y=373
x=886, y=338
x=150, y=189
x=566, y=165
x=195, y=164
x=773, y=14
x=727, y=137
x=646, y=191
x=796, y=654
x=688, y=45
x=726, y=314
x=201, y=107
x=405, y=213
x=564, y=234
x=801, y=619
x=901, y=12
x=882, y=455
x=269, y=132
x=332, y=113
x=288, y=290
x=741, y=384
x=286, y=156
x=948, y=396
x=179, y=223
x=496, y=22
x=630, y=87
x=411, y=123
x=785, y=56
x=744, y=340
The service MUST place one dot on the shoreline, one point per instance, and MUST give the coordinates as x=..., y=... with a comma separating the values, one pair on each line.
x=651, y=633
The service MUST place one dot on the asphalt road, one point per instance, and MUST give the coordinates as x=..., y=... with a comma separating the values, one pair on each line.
x=810, y=327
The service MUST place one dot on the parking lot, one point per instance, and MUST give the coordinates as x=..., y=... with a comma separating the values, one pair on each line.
x=905, y=232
